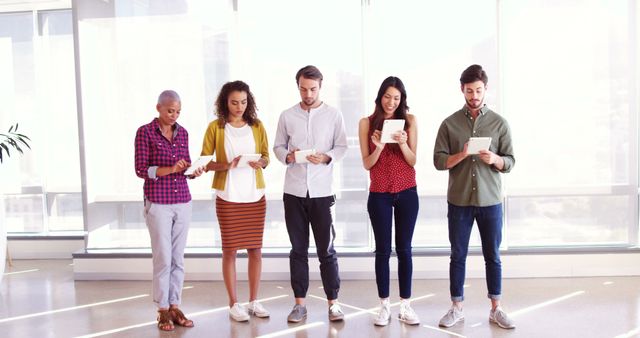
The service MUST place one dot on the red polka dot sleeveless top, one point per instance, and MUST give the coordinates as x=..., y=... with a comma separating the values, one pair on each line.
x=391, y=173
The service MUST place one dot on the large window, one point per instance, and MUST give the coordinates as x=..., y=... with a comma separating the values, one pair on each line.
x=568, y=92
x=40, y=191
x=564, y=74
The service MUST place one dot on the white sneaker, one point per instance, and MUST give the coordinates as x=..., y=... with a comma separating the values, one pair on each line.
x=384, y=314
x=407, y=314
x=335, y=312
x=238, y=313
x=256, y=309
x=453, y=316
x=499, y=317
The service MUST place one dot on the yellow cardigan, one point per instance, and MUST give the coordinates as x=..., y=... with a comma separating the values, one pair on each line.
x=214, y=143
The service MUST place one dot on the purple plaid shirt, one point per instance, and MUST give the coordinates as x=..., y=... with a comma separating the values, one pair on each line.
x=152, y=151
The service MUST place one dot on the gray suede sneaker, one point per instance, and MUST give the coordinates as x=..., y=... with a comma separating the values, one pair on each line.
x=499, y=317
x=298, y=314
x=453, y=316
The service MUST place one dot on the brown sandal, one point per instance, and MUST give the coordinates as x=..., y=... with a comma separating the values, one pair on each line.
x=164, y=321
x=179, y=319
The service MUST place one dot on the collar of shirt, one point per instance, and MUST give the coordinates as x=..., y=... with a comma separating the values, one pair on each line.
x=312, y=110
x=467, y=112
x=156, y=123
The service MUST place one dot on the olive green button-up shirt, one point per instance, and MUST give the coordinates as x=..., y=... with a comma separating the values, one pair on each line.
x=473, y=182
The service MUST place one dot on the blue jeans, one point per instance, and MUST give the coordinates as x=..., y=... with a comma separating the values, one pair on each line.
x=489, y=220
x=403, y=206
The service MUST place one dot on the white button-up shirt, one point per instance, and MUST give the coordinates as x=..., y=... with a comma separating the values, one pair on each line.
x=321, y=129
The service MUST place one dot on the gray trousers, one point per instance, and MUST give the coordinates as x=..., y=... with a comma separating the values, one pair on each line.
x=168, y=226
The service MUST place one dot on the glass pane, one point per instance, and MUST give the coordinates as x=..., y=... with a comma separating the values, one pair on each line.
x=23, y=213
x=578, y=97
x=570, y=109
x=269, y=65
x=130, y=52
x=569, y=220
x=41, y=97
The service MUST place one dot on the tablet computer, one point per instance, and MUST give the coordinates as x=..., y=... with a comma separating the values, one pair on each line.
x=478, y=143
x=301, y=155
x=390, y=127
x=246, y=158
x=200, y=162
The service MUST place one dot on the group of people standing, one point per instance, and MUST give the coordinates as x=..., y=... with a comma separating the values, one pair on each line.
x=316, y=130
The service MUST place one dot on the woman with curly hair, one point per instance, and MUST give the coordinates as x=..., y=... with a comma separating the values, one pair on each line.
x=240, y=201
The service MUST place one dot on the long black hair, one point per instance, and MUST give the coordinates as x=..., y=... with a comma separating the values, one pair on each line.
x=377, y=118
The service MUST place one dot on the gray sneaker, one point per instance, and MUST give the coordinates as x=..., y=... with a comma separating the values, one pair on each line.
x=298, y=314
x=453, y=316
x=335, y=312
x=499, y=317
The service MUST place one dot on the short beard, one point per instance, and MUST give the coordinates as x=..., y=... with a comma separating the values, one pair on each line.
x=475, y=107
x=309, y=104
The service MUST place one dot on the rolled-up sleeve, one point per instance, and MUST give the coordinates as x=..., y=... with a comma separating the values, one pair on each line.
x=339, y=149
x=142, y=151
x=441, y=149
x=281, y=143
x=506, y=149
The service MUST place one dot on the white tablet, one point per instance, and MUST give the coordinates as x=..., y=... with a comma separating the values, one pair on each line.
x=478, y=143
x=301, y=155
x=200, y=162
x=390, y=127
x=246, y=158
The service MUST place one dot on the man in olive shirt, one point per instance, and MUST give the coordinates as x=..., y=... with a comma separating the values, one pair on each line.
x=475, y=191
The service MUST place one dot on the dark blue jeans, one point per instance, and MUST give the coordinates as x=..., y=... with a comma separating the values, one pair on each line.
x=382, y=207
x=489, y=220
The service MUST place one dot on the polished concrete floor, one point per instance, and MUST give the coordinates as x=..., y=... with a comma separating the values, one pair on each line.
x=39, y=298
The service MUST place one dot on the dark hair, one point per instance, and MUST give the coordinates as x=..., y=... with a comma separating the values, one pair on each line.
x=472, y=74
x=309, y=72
x=376, y=120
x=222, y=109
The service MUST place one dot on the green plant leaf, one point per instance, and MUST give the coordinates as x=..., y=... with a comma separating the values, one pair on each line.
x=5, y=148
x=25, y=143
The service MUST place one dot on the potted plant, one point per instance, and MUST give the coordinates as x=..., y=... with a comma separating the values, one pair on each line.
x=11, y=140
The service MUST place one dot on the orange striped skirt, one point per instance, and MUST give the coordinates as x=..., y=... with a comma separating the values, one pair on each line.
x=241, y=224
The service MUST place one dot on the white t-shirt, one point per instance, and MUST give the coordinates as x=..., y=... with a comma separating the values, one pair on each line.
x=240, y=186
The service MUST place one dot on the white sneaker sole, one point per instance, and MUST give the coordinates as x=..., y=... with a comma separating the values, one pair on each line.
x=297, y=320
x=409, y=322
x=491, y=320
x=239, y=319
x=454, y=323
x=381, y=323
x=258, y=314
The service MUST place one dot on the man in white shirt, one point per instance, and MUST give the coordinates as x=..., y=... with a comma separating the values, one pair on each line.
x=308, y=198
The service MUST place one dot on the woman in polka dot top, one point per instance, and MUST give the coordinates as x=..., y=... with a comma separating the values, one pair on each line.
x=392, y=193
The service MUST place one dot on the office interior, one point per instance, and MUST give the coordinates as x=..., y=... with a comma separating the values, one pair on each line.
x=78, y=77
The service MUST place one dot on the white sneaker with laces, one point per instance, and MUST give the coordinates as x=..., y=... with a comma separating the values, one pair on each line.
x=384, y=314
x=499, y=317
x=238, y=313
x=453, y=316
x=256, y=309
x=335, y=312
x=407, y=314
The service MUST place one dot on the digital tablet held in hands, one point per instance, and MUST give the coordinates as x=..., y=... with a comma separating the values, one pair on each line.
x=200, y=162
x=246, y=158
x=301, y=155
x=478, y=143
x=390, y=127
